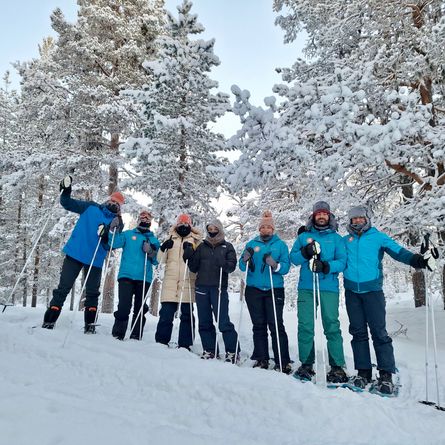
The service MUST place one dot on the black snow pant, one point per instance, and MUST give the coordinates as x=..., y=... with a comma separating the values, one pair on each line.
x=70, y=271
x=261, y=311
x=165, y=324
x=127, y=289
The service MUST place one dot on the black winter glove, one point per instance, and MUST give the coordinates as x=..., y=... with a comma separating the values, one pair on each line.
x=65, y=184
x=116, y=224
x=318, y=266
x=267, y=259
x=420, y=262
x=248, y=254
x=168, y=244
x=310, y=250
x=188, y=250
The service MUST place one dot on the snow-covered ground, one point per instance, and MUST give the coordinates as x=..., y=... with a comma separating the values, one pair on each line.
x=97, y=390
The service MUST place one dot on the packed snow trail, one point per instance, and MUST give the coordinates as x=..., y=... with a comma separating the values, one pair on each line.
x=102, y=391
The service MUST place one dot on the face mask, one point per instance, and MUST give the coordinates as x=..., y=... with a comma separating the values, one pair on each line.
x=144, y=226
x=183, y=231
x=266, y=237
x=357, y=227
x=212, y=234
x=113, y=207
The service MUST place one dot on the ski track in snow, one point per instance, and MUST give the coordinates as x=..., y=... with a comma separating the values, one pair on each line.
x=99, y=390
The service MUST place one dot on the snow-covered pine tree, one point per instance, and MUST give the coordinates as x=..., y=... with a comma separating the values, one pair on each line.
x=371, y=101
x=173, y=149
x=98, y=56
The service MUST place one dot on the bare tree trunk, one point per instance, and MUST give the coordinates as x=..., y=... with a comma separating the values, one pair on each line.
x=108, y=287
x=25, y=275
x=154, y=297
x=17, y=244
x=35, y=284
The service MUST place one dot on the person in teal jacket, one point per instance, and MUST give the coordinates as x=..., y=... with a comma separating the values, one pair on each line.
x=365, y=300
x=137, y=244
x=262, y=253
x=319, y=250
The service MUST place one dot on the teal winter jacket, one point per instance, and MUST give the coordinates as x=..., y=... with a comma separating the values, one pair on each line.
x=260, y=277
x=332, y=250
x=364, y=270
x=133, y=257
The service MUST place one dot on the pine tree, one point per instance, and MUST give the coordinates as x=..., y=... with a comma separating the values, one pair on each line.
x=173, y=149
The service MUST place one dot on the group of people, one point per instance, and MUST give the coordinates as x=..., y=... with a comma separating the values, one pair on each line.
x=197, y=270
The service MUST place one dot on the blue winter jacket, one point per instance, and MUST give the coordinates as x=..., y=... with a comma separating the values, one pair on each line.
x=260, y=278
x=133, y=257
x=332, y=250
x=364, y=270
x=84, y=238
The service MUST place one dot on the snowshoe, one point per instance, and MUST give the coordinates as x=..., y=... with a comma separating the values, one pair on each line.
x=232, y=358
x=287, y=369
x=262, y=364
x=385, y=386
x=336, y=375
x=47, y=325
x=359, y=382
x=207, y=355
x=89, y=328
x=50, y=317
x=304, y=373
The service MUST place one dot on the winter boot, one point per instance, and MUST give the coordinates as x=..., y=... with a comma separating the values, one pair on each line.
x=51, y=316
x=207, y=355
x=119, y=328
x=90, y=320
x=384, y=383
x=337, y=375
x=262, y=364
x=304, y=372
x=363, y=378
x=231, y=358
x=287, y=369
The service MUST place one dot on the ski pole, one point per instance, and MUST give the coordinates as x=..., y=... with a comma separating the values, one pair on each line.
x=145, y=298
x=191, y=312
x=218, y=310
x=314, y=294
x=76, y=303
x=276, y=320
x=158, y=277
x=141, y=310
x=178, y=311
x=241, y=311
x=7, y=302
x=107, y=263
x=320, y=328
x=436, y=367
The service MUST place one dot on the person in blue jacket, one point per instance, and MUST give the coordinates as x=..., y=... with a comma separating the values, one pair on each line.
x=365, y=301
x=136, y=244
x=319, y=250
x=262, y=253
x=80, y=250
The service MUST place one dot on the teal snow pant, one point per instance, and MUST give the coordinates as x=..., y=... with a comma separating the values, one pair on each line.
x=331, y=326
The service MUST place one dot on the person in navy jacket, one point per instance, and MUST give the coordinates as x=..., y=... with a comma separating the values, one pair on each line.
x=213, y=259
x=261, y=253
x=320, y=250
x=365, y=301
x=79, y=251
x=136, y=244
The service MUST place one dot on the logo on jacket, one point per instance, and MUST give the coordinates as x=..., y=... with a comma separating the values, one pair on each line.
x=351, y=238
x=309, y=240
x=134, y=238
x=256, y=248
